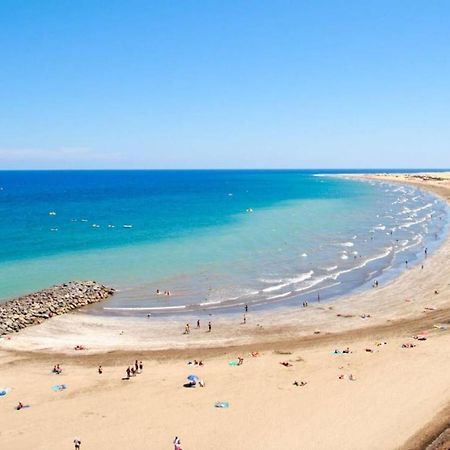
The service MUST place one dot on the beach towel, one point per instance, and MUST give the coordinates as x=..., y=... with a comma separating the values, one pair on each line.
x=233, y=363
x=59, y=387
x=222, y=405
x=4, y=392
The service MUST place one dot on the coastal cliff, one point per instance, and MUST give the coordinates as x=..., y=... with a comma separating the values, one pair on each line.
x=34, y=308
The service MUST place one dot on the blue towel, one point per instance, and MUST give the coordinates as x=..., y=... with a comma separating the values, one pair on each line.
x=59, y=387
x=222, y=405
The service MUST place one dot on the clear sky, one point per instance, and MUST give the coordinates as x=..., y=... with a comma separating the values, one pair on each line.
x=224, y=84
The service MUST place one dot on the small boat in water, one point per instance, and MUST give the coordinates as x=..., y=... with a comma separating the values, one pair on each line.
x=128, y=226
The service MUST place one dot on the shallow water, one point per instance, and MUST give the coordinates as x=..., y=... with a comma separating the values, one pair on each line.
x=216, y=239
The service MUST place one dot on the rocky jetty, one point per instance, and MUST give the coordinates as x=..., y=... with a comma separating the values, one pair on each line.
x=34, y=308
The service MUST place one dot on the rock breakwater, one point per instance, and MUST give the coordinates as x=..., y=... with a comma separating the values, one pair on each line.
x=34, y=308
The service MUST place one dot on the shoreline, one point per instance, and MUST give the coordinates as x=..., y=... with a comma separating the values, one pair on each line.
x=410, y=381
x=409, y=294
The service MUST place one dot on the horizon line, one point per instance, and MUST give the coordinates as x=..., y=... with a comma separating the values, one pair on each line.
x=390, y=169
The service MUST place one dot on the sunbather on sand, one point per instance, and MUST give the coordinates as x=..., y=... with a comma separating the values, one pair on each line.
x=286, y=364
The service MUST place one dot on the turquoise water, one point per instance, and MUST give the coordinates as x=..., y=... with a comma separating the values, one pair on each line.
x=215, y=239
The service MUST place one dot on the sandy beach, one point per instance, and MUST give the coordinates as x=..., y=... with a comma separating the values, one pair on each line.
x=398, y=398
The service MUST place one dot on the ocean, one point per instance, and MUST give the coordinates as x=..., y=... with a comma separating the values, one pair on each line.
x=217, y=240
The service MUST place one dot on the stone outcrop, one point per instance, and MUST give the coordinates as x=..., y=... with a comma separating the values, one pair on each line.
x=35, y=308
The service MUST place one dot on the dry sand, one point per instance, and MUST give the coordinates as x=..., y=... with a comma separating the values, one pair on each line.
x=391, y=404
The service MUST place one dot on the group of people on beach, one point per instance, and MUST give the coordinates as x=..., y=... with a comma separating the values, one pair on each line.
x=187, y=328
x=135, y=369
x=57, y=369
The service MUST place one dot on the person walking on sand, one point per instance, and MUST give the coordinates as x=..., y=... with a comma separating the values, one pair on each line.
x=209, y=327
x=141, y=366
x=128, y=372
x=77, y=444
x=176, y=443
x=100, y=370
x=245, y=319
x=186, y=329
x=198, y=323
x=246, y=308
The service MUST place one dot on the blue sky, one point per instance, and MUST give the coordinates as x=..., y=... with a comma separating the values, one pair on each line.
x=215, y=84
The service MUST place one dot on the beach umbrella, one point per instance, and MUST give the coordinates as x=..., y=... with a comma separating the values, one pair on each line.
x=193, y=378
x=4, y=391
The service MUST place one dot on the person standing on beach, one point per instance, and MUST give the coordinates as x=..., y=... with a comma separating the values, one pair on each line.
x=77, y=444
x=141, y=366
x=209, y=327
x=245, y=319
x=198, y=323
x=176, y=443
x=100, y=370
x=246, y=308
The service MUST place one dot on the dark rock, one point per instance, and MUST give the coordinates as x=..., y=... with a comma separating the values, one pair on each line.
x=36, y=307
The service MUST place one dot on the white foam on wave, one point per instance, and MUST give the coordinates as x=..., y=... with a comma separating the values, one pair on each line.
x=410, y=224
x=142, y=308
x=215, y=303
x=330, y=269
x=428, y=205
x=360, y=266
x=347, y=244
x=317, y=281
x=270, y=280
x=416, y=242
x=289, y=281
x=344, y=257
x=400, y=201
x=279, y=295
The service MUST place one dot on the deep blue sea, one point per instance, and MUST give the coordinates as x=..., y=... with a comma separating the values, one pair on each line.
x=215, y=239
